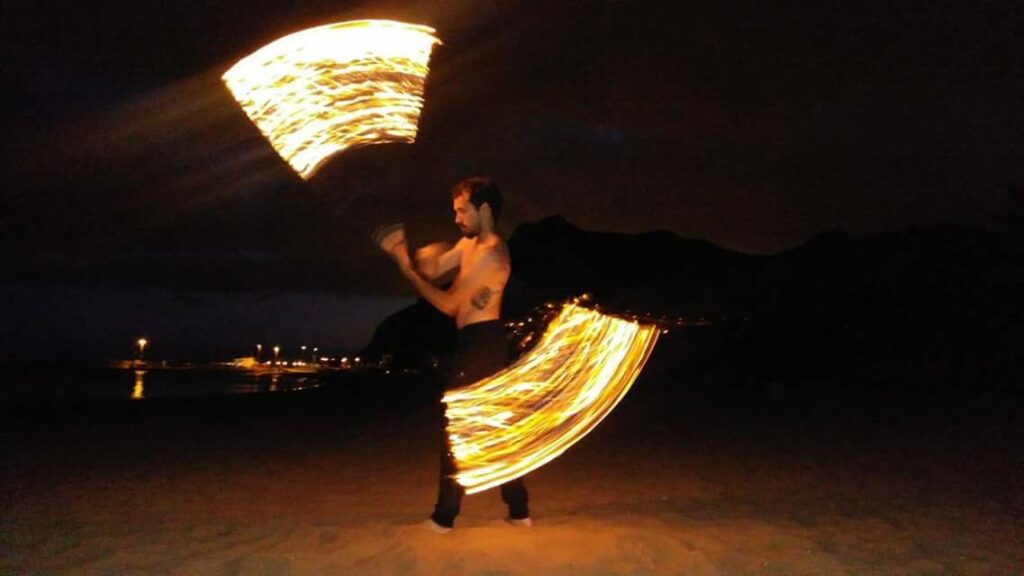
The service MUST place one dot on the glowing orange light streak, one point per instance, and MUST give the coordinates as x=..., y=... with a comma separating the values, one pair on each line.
x=523, y=417
x=317, y=92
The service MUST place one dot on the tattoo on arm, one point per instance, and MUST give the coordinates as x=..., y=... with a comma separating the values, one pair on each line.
x=481, y=298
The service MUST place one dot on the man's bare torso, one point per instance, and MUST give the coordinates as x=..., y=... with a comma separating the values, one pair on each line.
x=488, y=266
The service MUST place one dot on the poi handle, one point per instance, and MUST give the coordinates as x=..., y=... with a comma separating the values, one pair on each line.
x=387, y=236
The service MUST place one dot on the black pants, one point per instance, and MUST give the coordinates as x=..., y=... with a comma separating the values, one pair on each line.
x=480, y=351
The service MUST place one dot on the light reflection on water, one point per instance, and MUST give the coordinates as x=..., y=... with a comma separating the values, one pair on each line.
x=139, y=392
x=60, y=383
x=158, y=383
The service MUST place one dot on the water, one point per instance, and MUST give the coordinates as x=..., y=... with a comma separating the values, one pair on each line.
x=97, y=383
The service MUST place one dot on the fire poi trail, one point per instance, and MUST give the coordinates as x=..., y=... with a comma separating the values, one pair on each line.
x=523, y=417
x=319, y=91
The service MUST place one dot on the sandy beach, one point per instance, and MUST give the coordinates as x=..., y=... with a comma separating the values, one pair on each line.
x=312, y=483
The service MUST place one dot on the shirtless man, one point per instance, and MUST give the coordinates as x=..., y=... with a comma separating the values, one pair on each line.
x=474, y=300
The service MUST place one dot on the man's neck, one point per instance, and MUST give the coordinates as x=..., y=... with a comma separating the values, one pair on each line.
x=485, y=237
x=487, y=233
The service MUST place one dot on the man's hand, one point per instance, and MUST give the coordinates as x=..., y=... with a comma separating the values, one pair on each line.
x=391, y=239
x=399, y=251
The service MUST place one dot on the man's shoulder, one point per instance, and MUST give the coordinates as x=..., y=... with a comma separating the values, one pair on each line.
x=493, y=254
x=461, y=243
x=499, y=248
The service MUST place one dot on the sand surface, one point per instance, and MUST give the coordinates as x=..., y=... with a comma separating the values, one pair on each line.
x=292, y=486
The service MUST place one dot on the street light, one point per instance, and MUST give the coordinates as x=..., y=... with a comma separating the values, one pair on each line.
x=142, y=347
x=259, y=353
x=277, y=350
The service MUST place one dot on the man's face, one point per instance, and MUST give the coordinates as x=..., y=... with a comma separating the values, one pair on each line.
x=467, y=217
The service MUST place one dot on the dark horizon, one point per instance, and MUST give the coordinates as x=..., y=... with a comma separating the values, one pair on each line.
x=75, y=324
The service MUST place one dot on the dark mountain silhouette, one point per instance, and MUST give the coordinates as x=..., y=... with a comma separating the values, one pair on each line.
x=665, y=273
x=936, y=308
x=413, y=336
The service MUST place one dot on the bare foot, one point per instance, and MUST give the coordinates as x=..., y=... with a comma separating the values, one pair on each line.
x=434, y=527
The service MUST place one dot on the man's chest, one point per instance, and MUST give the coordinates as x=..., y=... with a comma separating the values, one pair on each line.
x=471, y=264
x=469, y=260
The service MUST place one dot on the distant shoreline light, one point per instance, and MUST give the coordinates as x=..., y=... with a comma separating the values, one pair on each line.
x=323, y=90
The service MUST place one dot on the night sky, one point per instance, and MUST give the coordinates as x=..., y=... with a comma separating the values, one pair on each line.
x=752, y=125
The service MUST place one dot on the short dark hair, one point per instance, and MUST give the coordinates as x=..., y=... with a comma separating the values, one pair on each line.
x=481, y=189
